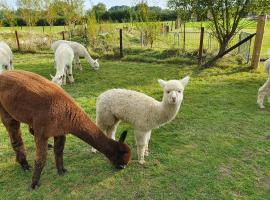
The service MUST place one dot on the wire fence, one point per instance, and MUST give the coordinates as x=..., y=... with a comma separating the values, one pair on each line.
x=133, y=38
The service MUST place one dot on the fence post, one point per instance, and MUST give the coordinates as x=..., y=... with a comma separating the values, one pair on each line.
x=201, y=46
x=179, y=40
x=121, y=42
x=18, y=41
x=63, y=35
x=142, y=39
x=184, y=43
x=258, y=41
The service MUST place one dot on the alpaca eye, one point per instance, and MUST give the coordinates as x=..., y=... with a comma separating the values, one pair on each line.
x=179, y=91
x=168, y=92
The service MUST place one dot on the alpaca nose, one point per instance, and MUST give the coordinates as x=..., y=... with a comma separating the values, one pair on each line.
x=174, y=99
x=121, y=166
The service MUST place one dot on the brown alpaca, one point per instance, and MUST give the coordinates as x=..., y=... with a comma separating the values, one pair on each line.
x=50, y=112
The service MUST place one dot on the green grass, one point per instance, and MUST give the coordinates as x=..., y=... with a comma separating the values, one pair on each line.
x=216, y=148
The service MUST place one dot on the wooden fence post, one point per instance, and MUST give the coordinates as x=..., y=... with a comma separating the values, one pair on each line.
x=142, y=40
x=201, y=46
x=63, y=35
x=184, y=42
x=258, y=42
x=121, y=42
x=18, y=41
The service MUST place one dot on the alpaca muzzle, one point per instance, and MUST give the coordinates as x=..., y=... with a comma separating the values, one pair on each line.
x=120, y=166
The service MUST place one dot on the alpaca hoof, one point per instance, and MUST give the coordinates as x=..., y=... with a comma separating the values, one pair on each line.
x=93, y=150
x=25, y=166
x=34, y=185
x=262, y=108
x=61, y=172
x=146, y=153
x=141, y=162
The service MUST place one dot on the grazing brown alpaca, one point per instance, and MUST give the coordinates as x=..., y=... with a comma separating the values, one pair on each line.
x=50, y=112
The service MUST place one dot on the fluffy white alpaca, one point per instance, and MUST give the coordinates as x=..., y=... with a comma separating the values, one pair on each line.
x=5, y=56
x=140, y=110
x=79, y=51
x=265, y=89
x=63, y=59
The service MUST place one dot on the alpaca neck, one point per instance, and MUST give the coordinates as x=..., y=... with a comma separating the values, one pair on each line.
x=166, y=112
x=88, y=58
x=87, y=131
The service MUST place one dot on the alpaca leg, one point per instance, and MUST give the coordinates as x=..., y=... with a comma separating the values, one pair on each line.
x=141, y=141
x=146, y=153
x=13, y=128
x=262, y=92
x=70, y=74
x=59, y=144
x=111, y=131
x=11, y=65
x=78, y=63
x=41, y=154
x=268, y=97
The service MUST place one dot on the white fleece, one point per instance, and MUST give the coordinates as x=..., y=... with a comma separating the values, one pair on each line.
x=79, y=51
x=6, y=56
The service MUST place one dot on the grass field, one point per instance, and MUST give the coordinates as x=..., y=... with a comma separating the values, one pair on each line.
x=216, y=148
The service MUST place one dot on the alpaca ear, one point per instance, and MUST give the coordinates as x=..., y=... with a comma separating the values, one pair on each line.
x=123, y=137
x=162, y=83
x=185, y=80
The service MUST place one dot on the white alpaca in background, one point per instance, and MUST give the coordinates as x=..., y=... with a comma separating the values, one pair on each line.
x=79, y=51
x=140, y=110
x=6, y=57
x=63, y=59
x=265, y=89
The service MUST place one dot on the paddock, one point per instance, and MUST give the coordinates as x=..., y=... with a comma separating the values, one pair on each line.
x=218, y=145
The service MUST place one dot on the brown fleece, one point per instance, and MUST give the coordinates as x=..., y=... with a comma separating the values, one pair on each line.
x=50, y=112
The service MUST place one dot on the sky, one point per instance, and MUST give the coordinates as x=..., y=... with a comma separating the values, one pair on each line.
x=110, y=3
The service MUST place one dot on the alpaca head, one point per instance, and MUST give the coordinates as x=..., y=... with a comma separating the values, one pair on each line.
x=95, y=65
x=122, y=154
x=173, y=90
x=57, y=79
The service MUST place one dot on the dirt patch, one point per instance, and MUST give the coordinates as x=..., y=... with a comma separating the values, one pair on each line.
x=225, y=171
x=267, y=137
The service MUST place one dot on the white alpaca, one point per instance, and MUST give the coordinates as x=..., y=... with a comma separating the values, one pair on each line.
x=6, y=56
x=79, y=51
x=265, y=89
x=140, y=110
x=63, y=59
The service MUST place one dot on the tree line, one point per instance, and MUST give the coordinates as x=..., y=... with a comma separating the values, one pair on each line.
x=64, y=12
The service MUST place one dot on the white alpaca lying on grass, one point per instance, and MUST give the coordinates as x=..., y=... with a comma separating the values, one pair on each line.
x=5, y=57
x=63, y=59
x=140, y=110
x=265, y=89
x=79, y=51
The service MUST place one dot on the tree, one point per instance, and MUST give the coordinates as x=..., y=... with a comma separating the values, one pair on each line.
x=142, y=11
x=51, y=7
x=183, y=9
x=72, y=10
x=226, y=16
x=30, y=10
x=8, y=14
x=99, y=10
